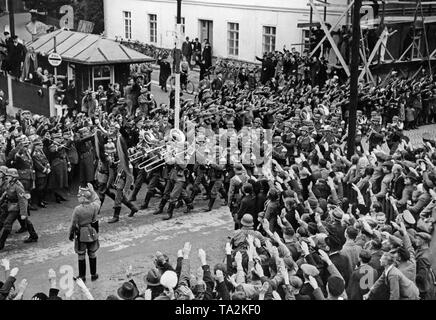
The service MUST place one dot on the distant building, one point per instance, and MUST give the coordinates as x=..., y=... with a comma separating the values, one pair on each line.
x=239, y=29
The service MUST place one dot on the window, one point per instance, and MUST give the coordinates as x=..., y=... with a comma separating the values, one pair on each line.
x=269, y=39
x=153, y=27
x=233, y=38
x=182, y=23
x=127, y=24
x=102, y=75
x=306, y=40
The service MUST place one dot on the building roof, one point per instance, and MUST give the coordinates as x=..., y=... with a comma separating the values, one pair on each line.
x=86, y=48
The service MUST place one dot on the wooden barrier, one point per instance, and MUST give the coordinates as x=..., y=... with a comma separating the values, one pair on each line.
x=27, y=96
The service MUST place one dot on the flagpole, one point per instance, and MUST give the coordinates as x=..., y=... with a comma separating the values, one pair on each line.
x=177, y=55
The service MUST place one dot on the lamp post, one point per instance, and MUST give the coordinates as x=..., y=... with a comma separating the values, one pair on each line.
x=11, y=9
x=354, y=80
x=177, y=55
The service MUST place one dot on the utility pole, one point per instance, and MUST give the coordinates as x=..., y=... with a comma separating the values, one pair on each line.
x=11, y=9
x=177, y=55
x=354, y=80
x=55, y=68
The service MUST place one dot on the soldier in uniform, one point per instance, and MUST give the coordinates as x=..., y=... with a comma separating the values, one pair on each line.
x=21, y=159
x=16, y=202
x=199, y=168
x=175, y=188
x=105, y=173
x=216, y=176
x=60, y=165
x=84, y=230
x=119, y=171
x=234, y=198
x=304, y=141
x=84, y=143
x=42, y=170
x=279, y=150
x=3, y=198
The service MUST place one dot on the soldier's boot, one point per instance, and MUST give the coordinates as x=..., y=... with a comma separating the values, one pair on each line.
x=161, y=207
x=179, y=204
x=135, y=192
x=189, y=206
x=224, y=195
x=116, y=216
x=33, y=236
x=210, y=205
x=147, y=199
x=132, y=207
x=170, y=211
x=93, y=268
x=59, y=198
x=192, y=197
x=110, y=194
x=82, y=269
x=3, y=236
x=23, y=226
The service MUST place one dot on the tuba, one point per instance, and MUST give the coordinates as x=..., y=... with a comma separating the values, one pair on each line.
x=175, y=147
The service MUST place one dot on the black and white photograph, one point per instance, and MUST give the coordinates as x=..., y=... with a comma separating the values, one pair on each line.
x=232, y=151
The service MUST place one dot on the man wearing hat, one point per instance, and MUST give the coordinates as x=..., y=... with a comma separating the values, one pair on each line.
x=239, y=239
x=21, y=159
x=85, y=150
x=234, y=196
x=115, y=164
x=425, y=277
x=386, y=180
x=16, y=206
x=410, y=182
x=42, y=170
x=84, y=230
x=59, y=166
x=304, y=141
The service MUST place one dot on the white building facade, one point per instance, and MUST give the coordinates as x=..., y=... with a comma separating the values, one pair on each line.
x=238, y=29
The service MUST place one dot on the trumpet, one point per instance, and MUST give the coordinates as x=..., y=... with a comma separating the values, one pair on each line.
x=60, y=145
x=140, y=154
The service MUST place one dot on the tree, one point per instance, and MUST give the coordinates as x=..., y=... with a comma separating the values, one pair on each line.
x=50, y=6
x=90, y=10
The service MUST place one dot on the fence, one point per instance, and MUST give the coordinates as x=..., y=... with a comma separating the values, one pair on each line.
x=229, y=67
x=27, y=96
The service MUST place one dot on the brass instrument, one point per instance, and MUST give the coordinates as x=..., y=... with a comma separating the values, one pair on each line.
x=60, y=145
x=177, y=138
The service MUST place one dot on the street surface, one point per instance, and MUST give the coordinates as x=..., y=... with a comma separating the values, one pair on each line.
x=132, y=241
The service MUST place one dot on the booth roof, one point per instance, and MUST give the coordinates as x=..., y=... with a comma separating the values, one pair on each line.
x=86, y=48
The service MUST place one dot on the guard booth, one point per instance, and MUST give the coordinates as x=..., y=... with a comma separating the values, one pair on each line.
x=88, y=59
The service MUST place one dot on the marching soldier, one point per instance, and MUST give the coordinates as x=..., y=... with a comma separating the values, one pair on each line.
x=118, y=178
x=16, y=202
x=84, y=230
x=42, y=170
x=3, y=188
x=175, y=188
x=21, y=159
x=216, y=175
x=236, y=182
